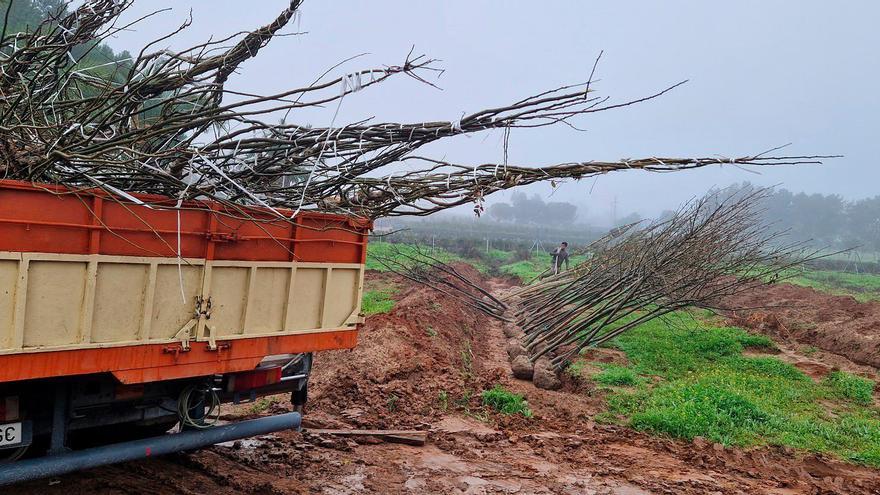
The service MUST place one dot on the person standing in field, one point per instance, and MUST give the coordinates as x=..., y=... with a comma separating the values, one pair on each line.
x=560, y=256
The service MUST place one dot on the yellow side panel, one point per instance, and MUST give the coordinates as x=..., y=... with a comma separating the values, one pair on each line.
x=8, y=276
x=267, y=301
x=87, y=301
x=341, y=297
x=119, y=301
x=170, y=313
x=54, y=302
x=308, y=291
x=228, y=299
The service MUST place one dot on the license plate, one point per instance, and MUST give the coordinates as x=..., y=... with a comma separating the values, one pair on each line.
x=10, y=434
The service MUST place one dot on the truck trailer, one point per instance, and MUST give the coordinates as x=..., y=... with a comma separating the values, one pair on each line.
x=124, y=317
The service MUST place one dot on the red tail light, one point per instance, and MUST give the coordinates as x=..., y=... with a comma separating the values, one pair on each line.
x=253, y=379
x=9, y=408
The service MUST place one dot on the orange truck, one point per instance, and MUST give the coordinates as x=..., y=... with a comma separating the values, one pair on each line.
x=125, y=317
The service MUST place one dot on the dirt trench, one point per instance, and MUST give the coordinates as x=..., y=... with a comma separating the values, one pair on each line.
x=422, y=367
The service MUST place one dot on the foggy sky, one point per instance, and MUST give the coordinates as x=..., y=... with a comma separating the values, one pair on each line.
x=762, y=74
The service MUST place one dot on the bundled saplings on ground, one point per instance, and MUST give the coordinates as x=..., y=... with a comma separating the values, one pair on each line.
x=165, y=122
x=708, y=250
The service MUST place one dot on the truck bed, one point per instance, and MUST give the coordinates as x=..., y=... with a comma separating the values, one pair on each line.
x=91, y=284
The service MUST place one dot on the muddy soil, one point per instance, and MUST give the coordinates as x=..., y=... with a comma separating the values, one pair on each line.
x=836, y=324
x=422, y=367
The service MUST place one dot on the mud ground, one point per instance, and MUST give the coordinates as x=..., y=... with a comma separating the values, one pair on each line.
x=836, y=324
x=422, y=367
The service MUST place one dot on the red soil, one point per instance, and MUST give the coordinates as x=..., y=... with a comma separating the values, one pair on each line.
x=837, y=324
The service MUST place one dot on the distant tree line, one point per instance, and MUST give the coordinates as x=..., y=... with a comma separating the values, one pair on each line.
x=447, y=231
x=525, y=209
x=825, y=219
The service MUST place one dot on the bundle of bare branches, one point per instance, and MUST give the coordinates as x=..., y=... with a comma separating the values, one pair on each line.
x=709, y=249
x=161, y=123
x=421, y=266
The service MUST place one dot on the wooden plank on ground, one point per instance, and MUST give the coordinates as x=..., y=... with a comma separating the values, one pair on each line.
x=408, y=437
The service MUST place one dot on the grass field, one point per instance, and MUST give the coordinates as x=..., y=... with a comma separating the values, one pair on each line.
x=853, y=255
x=377, y=301
x=494, y=261
x=377, y=250
x=528, y=270
x=691, y=379
x=863, y=286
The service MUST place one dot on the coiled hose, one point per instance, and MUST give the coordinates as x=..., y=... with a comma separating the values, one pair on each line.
x=205, y=396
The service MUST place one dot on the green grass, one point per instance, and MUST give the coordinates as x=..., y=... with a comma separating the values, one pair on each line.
x=853, y=255
x=527, y=270
x=863, y=286
x=701, y=384
x=262, y=405
x=576, y=368
x=682, y=347
x=703, y=408
x=392, y=402
x=377, y=301
x=506, y=402
x=389, y=250
x=499, y=256
x=614, y=375
x=852, y=387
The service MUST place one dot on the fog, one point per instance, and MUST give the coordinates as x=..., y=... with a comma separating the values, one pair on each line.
x=761, y=74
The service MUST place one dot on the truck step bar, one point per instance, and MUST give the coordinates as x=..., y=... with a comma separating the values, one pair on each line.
x=33, y=469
